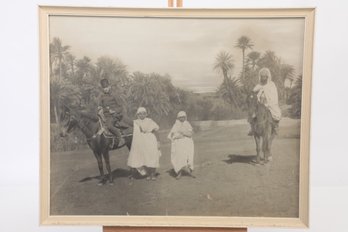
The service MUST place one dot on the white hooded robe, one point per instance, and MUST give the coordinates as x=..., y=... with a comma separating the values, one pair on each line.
x=182, y=147
x=144, y=150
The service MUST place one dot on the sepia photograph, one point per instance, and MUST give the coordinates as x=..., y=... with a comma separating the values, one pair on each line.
x=177, y=114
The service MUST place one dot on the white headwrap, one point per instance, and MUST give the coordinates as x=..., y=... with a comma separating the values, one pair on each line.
x=270, y=93
x=265, y=72
x=182, y=114
x=180, y=126
x=141, y=110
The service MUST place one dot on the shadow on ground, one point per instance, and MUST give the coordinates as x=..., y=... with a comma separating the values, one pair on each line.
x=235, y=158
x=117, y=173
x=184, y=172
x=171, y=172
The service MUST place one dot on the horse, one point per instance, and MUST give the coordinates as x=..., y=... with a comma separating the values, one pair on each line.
x=98, y=139
x=262, y=127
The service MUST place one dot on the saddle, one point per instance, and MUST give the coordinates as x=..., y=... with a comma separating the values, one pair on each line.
x=103, y=130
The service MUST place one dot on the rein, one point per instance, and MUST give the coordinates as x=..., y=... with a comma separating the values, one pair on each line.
x=80, y=123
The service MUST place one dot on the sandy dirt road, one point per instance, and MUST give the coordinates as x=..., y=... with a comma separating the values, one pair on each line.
x=226, y=183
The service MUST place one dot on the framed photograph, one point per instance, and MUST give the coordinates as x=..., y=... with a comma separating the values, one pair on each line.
x=175, y=117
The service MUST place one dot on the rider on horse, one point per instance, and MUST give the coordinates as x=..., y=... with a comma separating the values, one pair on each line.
x=267, y=94
x=111, y=111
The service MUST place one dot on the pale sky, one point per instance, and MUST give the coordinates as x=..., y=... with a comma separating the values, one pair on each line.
x=183, y=48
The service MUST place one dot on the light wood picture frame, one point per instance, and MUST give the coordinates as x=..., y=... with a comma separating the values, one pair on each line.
x=56, y=21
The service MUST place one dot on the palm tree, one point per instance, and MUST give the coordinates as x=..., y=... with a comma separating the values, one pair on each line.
x=287, y=71
x=244, y=43
x=84, y=68
x=71, y=61
x=230, y=91
x=295, y=98
x=61, y=92
x=224, y=63
x=228, y=88
x=165, y=82
x=58, y=52
x=253, y=57
x=85, y=79
x=269, y=60
x=111, y=67
x=146, y=90
x=51, y=58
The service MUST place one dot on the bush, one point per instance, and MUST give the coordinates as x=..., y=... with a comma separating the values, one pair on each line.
x=72, y=141
x=295, y=99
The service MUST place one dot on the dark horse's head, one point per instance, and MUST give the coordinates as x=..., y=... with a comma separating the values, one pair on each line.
x=68, y=121
x=251, y=103
x=258, y=110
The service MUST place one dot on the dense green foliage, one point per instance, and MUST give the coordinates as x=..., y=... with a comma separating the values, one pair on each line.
x=295, y=98
x=76, y=82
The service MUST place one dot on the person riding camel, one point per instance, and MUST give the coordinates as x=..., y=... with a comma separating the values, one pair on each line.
x=267, y=94
x=111, y=111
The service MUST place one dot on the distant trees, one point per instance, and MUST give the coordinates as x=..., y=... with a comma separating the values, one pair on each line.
x=62, y=92
x=71, y=62
x=253, y=58
x=76, y=80
x=149, y=91
x=295, y=98
x=234, y=89
x=57, y=55
x=113, y=69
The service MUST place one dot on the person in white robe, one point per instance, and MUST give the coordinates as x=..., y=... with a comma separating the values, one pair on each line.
x=267, y=94
x=182, y=147
x=145, y=150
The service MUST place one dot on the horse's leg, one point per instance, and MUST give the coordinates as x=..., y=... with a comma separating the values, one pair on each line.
x=100, y=166
x=268, y=142
x=107, y=164
x=270, y=136
x=264, y=147
x=257, y=141
x=269, y=145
